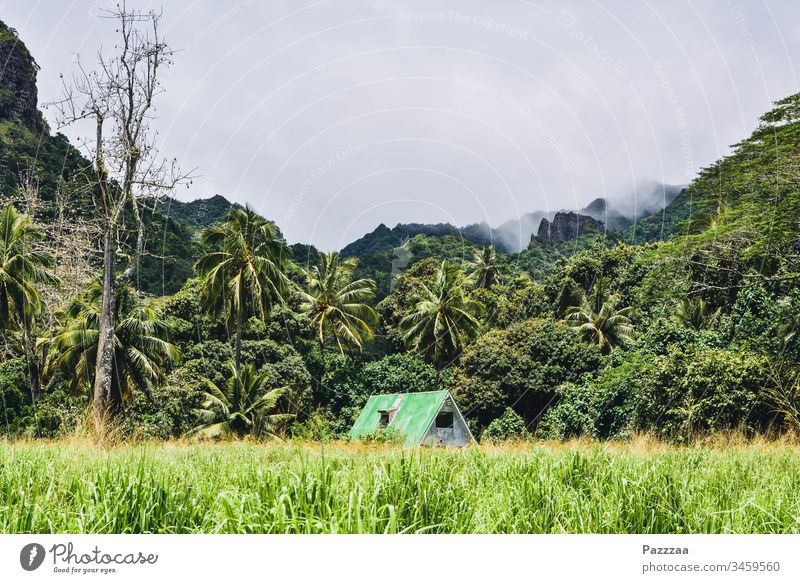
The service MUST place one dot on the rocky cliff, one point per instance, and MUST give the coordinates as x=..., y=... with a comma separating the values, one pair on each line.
x=569, y=226
x=18, y=95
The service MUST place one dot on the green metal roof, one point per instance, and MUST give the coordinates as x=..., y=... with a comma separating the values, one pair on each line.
x=414, y=415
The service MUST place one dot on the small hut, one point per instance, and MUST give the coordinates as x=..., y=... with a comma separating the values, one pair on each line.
x=429, y=418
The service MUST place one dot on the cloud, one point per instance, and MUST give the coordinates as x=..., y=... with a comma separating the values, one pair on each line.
x=332, y=117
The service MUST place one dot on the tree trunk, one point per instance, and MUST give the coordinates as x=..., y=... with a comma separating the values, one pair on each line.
x=34, y=373
x=102, y=396
x=237, y=356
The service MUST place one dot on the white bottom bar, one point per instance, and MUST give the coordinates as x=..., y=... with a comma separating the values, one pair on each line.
x=384, y=558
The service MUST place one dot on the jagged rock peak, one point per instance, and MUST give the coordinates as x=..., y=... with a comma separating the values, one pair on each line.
x=568, y=226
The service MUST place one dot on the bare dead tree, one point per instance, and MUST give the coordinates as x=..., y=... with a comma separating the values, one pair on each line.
x=74, y=247
x=70, y=242
x=28, y=186
x=118, y=98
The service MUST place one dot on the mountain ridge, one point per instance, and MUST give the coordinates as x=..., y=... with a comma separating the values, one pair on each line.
x=514, y=235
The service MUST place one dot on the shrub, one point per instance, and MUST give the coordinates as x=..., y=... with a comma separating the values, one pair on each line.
x=680, y=394
x=13, y=397
x=169, y=411
x=754, y=320
x=386, y=436
x=574, y=415
x=604, y=407
x=291, y=372
x=508, y=426
x=515, y=300
x=319, y=426
x=665, y=335
x=207, y=360
x=686, y=391
x=54, y=415
x=285, y=368
x=703, y=390
x=520, y=366
x=185, y=318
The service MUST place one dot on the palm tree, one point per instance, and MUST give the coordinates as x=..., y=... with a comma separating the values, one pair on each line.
x=245, y=272
x=22, y=269
x=443, y=318
x=598, y=320
x=243, y=405
x=694, y=313
x=140, y=348
x=335, y=302
x=486, y=267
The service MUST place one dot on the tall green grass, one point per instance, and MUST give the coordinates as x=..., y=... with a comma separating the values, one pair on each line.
x=244, y=488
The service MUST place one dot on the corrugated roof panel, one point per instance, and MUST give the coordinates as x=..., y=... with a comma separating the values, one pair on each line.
x=415, y=414
x=370, y=416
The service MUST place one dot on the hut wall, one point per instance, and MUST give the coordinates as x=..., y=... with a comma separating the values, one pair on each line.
x=457, y=435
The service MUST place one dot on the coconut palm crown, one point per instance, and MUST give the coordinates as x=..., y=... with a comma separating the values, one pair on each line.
x=242, y=405
x=443, y=317
x=245, y=270
x=486, y=268
x=335, y=302
x=598, y=320
x=140, y=346
x=23, y=268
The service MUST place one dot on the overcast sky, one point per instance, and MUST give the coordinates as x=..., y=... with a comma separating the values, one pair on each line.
x=331, y=117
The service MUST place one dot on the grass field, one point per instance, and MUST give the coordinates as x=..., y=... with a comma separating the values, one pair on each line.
x=243, y=488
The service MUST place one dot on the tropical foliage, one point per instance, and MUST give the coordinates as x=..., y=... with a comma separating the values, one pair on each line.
x=334, y=302
x=442, y=318
x=245, y=270
x=486, y=267
x=23, y=270
x=243, y=405
x=598, y=320
x=141, y=348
